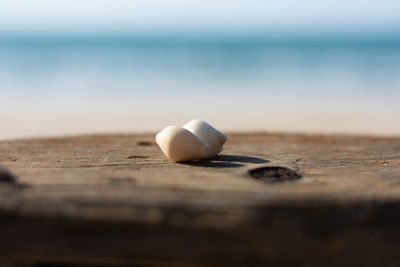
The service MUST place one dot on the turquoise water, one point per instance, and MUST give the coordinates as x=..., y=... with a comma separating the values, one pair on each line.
x=235, y=76
x=362, y=65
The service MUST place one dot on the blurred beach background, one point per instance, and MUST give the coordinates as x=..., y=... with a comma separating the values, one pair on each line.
x=84, y=67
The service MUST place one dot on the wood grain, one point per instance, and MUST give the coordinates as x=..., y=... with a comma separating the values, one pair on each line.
x=116, y=199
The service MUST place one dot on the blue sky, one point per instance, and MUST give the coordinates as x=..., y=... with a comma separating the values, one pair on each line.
x=207, y=15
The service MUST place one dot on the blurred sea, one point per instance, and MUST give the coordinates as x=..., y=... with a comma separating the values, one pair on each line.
x=243, y=77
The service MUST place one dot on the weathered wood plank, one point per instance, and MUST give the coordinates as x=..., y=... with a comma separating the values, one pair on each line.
x=116, y=199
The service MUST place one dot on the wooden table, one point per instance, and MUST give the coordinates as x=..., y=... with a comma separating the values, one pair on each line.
x=268, y=199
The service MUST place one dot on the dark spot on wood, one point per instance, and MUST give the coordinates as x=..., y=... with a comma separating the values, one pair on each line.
x=137, y=157
x=8, y=159
x=144, y=143
x=121, y=180
x=6, y=177
x=272, y=175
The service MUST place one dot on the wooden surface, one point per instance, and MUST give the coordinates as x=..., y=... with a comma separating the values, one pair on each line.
x=267, y=199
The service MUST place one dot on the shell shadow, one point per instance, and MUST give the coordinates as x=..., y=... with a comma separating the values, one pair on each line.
x=226, y=161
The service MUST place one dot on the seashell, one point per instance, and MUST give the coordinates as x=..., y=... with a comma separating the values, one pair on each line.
x=179, y=144
x=195, y=140
x=208, y=134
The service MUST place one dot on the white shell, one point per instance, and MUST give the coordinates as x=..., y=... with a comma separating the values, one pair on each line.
x=208, y=134
x=179, y=144
x=195, y=140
